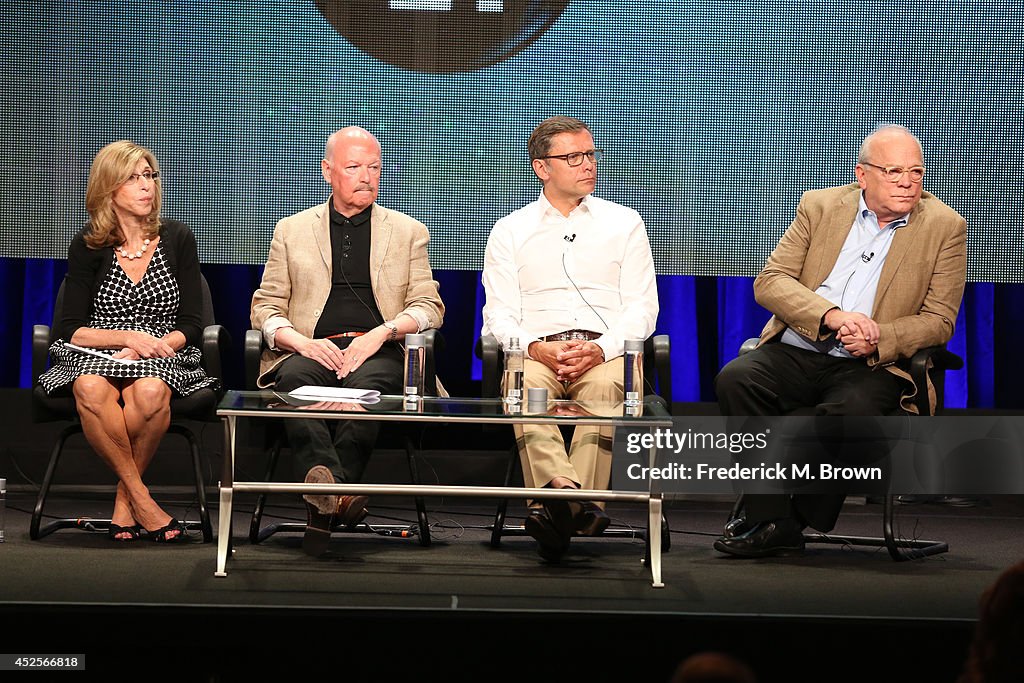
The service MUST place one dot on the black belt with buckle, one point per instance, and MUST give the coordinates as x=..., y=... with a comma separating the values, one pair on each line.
x=570, y=335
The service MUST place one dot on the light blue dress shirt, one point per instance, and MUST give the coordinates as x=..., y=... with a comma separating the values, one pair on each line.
x=854, y=278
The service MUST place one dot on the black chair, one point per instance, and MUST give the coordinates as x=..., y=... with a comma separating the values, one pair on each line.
x=276, y=440
x=928, y=363
x=657, y=381
x=201, y=406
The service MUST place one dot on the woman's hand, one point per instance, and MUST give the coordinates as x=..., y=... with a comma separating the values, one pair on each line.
x=148, y=346
x=126, y=354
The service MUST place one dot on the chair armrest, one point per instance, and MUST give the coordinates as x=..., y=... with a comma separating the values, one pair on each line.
x=656, y=406
x=658, y=365
x=748, y=346
x=940, y=360
x=251, y=357
x=215, y=342
x=433, y=345
x=40, y=350
x=489, y=352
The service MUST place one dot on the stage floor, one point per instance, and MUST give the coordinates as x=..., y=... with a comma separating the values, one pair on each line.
x=460, y=588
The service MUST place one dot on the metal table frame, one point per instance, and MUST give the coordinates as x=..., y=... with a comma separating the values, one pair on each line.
x=656, y=417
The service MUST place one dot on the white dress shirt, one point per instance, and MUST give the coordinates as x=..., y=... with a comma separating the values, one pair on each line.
x=545, y=273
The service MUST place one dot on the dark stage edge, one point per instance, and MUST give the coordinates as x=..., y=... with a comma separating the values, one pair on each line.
x=380, y=607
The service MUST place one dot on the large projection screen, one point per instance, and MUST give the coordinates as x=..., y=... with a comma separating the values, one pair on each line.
x=715, y=116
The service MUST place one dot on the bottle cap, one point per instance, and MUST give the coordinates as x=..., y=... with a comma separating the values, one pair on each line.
x=634, y=345
x=417, y=341
x=513, y=343
x=3, y=484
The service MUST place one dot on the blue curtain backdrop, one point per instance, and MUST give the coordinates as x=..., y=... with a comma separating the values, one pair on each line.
x=707, y=318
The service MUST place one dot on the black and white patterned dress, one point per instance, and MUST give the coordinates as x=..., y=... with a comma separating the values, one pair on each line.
x=150, y=306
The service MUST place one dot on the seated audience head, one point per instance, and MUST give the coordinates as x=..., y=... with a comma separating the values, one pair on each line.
x=997, y=652
x=713, y=667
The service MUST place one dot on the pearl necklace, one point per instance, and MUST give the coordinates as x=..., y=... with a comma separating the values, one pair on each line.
x=133, y=255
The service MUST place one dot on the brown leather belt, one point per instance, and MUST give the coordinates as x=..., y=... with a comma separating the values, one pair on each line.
x=569, y=335
x=344, y=334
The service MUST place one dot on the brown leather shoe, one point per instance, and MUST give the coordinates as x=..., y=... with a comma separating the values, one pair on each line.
x=347, y=510
x=351, y=510
x=325, y=504
x=318, y=531
x=589, y=518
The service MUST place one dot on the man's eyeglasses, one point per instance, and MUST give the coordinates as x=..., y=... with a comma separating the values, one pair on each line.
x=576, y=158
x=148, y=175
x=895, y=173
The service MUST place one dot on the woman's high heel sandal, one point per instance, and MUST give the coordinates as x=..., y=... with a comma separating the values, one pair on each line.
x=160, y=535
x=133, y=531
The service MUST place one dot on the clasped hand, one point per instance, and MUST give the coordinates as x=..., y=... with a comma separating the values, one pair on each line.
x=342, y=361
x=855, y=331
x=139, y=345
x=568, y=359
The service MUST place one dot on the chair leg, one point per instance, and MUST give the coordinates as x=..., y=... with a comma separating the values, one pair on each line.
x=261, y=500
x=903, y=550
x=34, y=531
x=421, y=508
x=499, y=513
x=200, y=480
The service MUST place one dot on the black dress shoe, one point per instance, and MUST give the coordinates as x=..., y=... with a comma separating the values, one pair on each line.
x=766, y=539
x=738, y=525
x=589, y=519
x=551, y=545
x=552, y=542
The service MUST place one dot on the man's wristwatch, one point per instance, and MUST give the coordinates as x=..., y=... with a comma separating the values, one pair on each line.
x=392, y=331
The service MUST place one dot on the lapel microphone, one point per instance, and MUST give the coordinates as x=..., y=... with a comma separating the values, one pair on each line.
x=864, y=256
x=567, y=238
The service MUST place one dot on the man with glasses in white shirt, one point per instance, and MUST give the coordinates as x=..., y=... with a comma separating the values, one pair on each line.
x=570, y=276
x=866, y=275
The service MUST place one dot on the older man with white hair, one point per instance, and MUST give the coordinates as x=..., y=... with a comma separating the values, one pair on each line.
x=866, y=275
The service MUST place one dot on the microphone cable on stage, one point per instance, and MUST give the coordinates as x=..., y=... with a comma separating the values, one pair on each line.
x=408, y=532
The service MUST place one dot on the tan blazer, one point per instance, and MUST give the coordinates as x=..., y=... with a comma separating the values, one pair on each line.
x=297, y=278
x=919, y=289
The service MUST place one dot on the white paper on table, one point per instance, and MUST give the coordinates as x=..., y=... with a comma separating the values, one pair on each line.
x=315, y=393
x=93, y=352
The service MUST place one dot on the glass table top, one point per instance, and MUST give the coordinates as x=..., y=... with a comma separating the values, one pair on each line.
x=450, y=409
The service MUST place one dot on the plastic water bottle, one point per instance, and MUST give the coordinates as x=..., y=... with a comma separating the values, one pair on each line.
x=513, y=380
x=3, y=508
x=415, y=359
x=633, y=373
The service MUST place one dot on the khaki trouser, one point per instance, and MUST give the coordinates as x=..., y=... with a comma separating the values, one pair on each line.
x=541, y=447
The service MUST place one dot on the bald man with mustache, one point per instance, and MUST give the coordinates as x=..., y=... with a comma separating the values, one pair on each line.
x=345, y=281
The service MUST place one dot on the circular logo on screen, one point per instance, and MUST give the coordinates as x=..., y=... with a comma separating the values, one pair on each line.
x=441, y=36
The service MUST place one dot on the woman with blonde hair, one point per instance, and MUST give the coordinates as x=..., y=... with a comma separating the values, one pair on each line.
x=129, y=330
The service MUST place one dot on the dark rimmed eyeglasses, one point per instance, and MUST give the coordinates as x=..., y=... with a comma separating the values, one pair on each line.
x=576, y=158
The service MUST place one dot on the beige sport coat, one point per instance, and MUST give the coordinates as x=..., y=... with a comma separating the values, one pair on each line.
x=297, y=278
x=919, y=289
